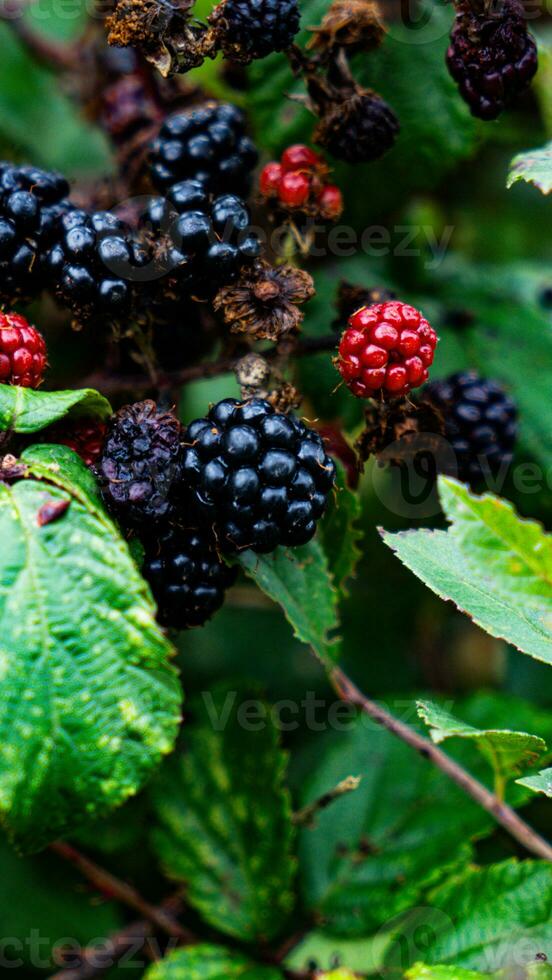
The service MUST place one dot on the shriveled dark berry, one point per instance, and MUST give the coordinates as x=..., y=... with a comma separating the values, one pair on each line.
x=208, y=144
x=32, y=202
x=259, y=478
x=480, y=423
x=187, y=577
x=357, y=129
x=491, y=56
x=251, y=29
x=140, y=465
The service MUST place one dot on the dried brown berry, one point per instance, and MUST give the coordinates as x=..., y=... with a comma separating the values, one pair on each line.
x=352, y=24
x=264, y=303
x=163, y=30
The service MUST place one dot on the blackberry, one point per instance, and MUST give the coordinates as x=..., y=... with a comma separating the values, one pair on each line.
x=140, y=465
x=207, y=144
x=251, y=29
x=480, y=422
x=492, y=57
x=200, y=242
x=187, y=577
x=95, y=265
x=258, y=477
x=357, y=129
x=31, y=204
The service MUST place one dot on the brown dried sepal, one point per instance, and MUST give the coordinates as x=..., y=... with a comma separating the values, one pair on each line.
x=356, y=25
x=163, y=30
x=285, y=397
x=396, y=432
x=265, y=302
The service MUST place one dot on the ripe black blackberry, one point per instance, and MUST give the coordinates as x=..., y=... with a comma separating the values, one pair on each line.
x=492, y=57
x=200, y=243
x=32, y=202
x=480, y=423
x=187, y=577
x=140, y=465
x=258, y=477
x=209, y=144
x=95, y=265
x=358, y=128
x=251, y=29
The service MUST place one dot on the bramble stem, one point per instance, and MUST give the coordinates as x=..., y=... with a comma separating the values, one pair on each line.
x=502, y=813
x=306, y=816
x=112, y=887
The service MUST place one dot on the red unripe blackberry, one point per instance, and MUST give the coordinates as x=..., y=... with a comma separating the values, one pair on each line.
x=294, y=190
x=386, y=348
x=269, y=181
x=85, y=436
x=331, y=201
x=22, y=352
x=300, y=157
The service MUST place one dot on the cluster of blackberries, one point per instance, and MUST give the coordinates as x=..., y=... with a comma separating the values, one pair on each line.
x=480, y=423
x=246, y=476
x=208, y=144
x=200, y=241
x=258, y=477
x=95, y=264
x=492, y=57
x=251, y=29
x=31, y=203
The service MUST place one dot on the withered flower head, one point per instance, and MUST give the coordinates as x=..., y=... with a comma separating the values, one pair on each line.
x=356, y=25
x=399, y=431
x=163, y=30
x=264, y=303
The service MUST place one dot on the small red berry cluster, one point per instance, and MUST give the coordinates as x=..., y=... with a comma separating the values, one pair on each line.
x=22, y=352
x=299, y=183
x=386, y=348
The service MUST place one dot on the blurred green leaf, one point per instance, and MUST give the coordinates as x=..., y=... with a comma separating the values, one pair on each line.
x=533, y=971
x=299, y=581
x=43, y=903
x=534, y=167
x=224, y=818
x=373, y=853
x=42, y=125
x=494, y=566
x=209, y=963
x=26, y=410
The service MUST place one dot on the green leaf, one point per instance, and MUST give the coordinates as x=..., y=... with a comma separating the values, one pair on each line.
x=94, y=703
x=340, y=534
x=492, y=564
x=373, y=853
x=409, y=71
x=209, y=963
x=534, y=167
x=299, y=580
x=481, y=918
x=25, y=410
x=541, y=782
x=224, y=818
x=507, y=752
x=533, y=971
x=62, y=466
